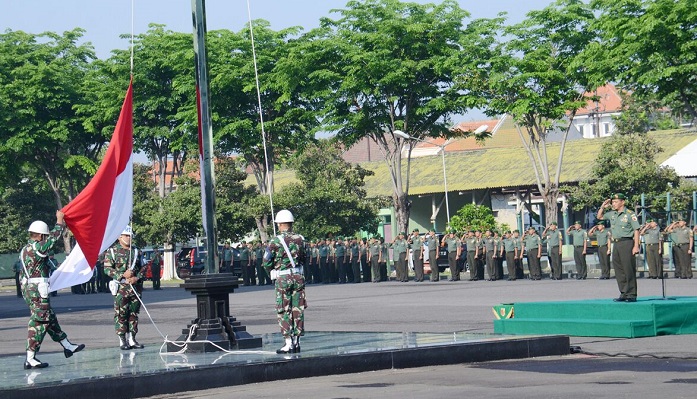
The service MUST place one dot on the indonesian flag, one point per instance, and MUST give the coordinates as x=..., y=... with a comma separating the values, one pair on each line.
x=99, y=214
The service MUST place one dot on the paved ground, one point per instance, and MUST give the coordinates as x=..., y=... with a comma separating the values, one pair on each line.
x=427, y=307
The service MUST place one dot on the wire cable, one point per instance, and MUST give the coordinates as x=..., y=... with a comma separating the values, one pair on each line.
x=578, y=349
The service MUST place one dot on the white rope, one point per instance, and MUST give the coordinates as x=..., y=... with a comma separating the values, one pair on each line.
x=261, y=117
x=132, y=30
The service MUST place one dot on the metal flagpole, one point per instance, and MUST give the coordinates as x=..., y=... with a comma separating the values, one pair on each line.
x=198, y=10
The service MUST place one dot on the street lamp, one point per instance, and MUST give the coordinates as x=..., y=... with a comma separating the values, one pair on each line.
x=480, y=129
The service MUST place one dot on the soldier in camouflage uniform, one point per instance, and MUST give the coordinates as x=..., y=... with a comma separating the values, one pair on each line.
x=287, y=260
x=35, y=269
x=122, y=264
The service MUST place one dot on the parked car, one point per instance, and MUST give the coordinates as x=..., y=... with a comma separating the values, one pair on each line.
x=441, y=261
x=190, y=261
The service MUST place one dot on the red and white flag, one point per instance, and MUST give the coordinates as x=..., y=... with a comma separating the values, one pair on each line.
x=99, y=214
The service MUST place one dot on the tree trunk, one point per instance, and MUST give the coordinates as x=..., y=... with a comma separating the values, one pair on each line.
x=169, y=263
x=550, y=198
x=262, y=225
x=401, y=211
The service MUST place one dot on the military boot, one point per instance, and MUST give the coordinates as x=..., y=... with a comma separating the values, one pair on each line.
x=124, y=345
x=32, y=363
x=70, y=348
x=296, y=344
x=131, y=337
x=287, y=348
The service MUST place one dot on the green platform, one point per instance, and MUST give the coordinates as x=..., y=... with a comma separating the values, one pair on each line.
x=648, y=317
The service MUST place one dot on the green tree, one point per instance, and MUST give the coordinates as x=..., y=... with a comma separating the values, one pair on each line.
x=331, y=197
x=625, y=164
x=473, y=217
x=42, y=82
x=289, y=118
x=385, y=66
x=649, y=47
x=539, y=79
x=21, y=204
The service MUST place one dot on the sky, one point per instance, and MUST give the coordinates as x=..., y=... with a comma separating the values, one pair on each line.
x=104, y=21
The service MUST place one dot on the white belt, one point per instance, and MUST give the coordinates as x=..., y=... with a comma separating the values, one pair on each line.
x=37, y=280
x=294, y=270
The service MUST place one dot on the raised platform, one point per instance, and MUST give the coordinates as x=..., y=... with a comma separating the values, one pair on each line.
x=113, y=373
x=648, y=317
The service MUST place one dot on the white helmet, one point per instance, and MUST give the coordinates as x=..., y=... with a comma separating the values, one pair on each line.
x=38, y=227
x=127, y=231
x=284, y=216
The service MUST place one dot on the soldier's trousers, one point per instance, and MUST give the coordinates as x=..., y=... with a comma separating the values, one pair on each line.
x=341, y=266
x=126, y=309
x=555, y=258
x=510, y=264
x=433, y=263
x=356, y=267
x=580, y=260
x=683, y=264
x=653, y=260
x=452, y=264
x=366, y=268
x=624, y=263
x=604, y=260
x=375, y=266
x=534, y=264
x=42, y=320
x=324, y=267
x=401, y=269
x=291, y=304
x=491, y=265
x=418, y=267
x=472, y=264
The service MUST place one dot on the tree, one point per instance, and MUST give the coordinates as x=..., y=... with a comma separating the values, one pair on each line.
x=648, y=47
x=42, y=82
x=540, y=80
x=385, y=66
x=331, y=198
x=289, y=118
x=21, y=204
x=473, y=217
x=625, y=164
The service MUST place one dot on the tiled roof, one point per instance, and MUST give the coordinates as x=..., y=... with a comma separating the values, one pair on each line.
x=609, y=101
x=496, y=167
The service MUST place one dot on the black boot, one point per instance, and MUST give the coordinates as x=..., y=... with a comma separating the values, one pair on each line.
x=69, y=348
x=124, y=345
x=33, y=363
x=131, y=337
x=296, y=344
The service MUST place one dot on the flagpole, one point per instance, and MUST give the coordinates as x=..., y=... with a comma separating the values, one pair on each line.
x=205, y=131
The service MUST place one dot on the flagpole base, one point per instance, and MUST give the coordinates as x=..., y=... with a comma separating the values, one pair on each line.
x=214, y=329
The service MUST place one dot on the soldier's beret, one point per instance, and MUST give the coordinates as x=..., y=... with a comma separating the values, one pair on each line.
x=600, y=223
x=619, y=196
x=554, y=223
x=415, y=231
x=649, y=220
x=402, y=233
x=577, y=222
x=531, y=228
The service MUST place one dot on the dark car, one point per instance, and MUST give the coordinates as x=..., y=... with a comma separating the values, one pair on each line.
x=441, y=261
x=190, y=261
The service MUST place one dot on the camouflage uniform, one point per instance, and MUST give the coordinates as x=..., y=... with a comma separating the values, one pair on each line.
x=290, y=285
x=42, y=319
x=117, y=260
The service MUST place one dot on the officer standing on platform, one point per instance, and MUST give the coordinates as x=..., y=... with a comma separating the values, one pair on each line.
x=33, y=258
x=653, y=241
x=452, y=243
x=399, y=249
x=579, y=238
x=533, y=245
x=602, y=235
x=625, y=237
x=122, y=264
x=416, y=251
x=553, y=238
x=285, y=255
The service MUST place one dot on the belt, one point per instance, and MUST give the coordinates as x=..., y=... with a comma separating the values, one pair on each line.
x=622, y=239
x=37, y=280
x=652, y=244
x=294, y=270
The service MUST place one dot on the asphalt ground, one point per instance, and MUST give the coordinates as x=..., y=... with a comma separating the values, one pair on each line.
x=640, y=368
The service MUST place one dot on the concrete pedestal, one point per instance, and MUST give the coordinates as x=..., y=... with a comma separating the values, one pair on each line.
x=213, y=322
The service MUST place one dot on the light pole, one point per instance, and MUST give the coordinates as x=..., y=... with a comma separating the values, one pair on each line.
x=403, y=135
